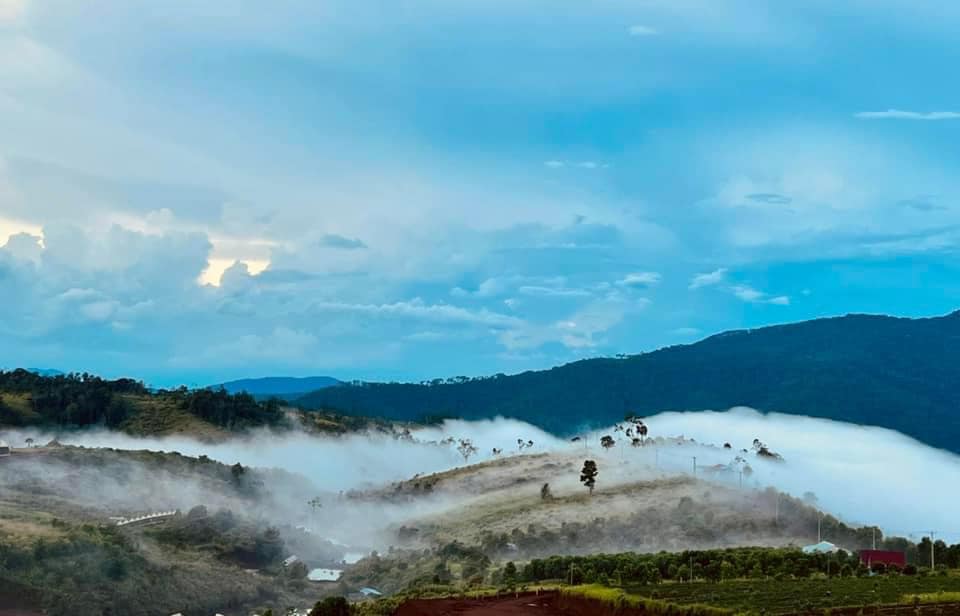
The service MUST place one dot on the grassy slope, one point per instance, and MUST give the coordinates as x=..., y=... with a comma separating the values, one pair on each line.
x=71, y=574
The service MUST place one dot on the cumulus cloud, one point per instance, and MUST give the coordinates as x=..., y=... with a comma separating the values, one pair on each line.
x=24, y=246
x=899, y=114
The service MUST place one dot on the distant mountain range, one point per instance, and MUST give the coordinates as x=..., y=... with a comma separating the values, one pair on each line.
x=280, y=386
x=897, y=373
x=45, y=371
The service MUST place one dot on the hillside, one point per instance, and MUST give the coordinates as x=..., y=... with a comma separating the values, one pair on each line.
x=280, y=386
x=76, y=401
x=892, y=372
x=61, y=545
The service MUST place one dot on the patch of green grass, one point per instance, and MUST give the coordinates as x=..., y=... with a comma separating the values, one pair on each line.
x=932, y=597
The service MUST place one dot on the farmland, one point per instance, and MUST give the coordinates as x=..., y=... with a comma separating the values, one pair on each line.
x=797, y=595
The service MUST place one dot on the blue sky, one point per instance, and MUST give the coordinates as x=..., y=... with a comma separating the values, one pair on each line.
x=191, y=192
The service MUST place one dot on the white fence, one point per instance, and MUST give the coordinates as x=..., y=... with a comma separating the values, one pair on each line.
x=148, y=518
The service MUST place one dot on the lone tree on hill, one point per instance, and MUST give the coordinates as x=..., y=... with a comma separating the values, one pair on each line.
x=237, y=471
x=545, y=493
x=607, y=442
x=642, y=431
x=588, y=475
x=466, y=449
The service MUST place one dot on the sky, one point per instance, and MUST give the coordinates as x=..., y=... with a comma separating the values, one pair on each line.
x=196, y=192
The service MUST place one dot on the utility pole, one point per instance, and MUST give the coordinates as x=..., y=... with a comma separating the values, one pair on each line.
x=932, y=564
x=694, y=466
x=874, y=537
x=741, y=480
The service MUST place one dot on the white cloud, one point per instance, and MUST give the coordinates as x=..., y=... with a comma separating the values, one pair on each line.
x=642, y=30
x=420, y=310
x=640, y=279
x=12, y=10
x=751, y=295
x=746, y=293
x=708, y=279
x=582, y=164
x=898, y=114
x=541, y=291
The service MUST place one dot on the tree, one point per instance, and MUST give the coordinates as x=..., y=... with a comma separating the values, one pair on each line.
x=331, y=606
x=29, y=442
x=466, y=449
x=607, y=441
x=588, y=475
x=238, y=472
x=545, y=493
x=510, y=575
x=297, y=571
x=315, y=504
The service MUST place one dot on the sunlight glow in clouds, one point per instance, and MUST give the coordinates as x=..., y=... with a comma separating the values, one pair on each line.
x=213, y=274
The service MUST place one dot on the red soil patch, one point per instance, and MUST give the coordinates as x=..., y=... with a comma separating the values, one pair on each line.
x=525, y=605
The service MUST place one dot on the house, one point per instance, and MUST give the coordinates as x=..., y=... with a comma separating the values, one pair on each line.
x=366, y=591
x=824, y=547
x=290, y=560
x=886, y=557
x=4, y=449
x=324, y=575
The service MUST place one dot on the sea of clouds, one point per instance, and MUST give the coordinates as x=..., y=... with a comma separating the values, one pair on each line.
x=864, y=475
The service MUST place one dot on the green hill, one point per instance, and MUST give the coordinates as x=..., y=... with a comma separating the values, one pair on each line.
x=894, y=372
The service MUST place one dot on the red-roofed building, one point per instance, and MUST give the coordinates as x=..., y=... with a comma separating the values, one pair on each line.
x=887, y=557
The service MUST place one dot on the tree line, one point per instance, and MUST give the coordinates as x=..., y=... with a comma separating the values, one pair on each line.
x=707, y=565
x=83, y=400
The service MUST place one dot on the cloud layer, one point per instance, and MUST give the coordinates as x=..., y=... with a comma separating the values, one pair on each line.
x=839, y=463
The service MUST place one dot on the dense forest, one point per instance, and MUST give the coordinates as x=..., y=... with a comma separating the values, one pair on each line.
x=80, y=400
x=892, y=372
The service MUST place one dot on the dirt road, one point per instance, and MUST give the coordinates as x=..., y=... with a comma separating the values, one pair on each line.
x=530, y=605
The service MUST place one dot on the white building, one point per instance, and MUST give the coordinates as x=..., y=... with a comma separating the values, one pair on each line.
x=824, y=547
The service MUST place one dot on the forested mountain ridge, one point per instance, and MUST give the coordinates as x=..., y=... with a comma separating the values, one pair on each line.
x=280, y=386
x=893, y=372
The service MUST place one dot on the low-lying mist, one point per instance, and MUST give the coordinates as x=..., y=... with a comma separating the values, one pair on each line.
x=863, y=475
